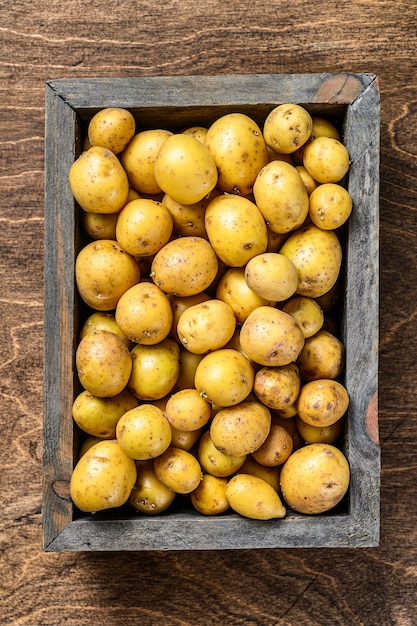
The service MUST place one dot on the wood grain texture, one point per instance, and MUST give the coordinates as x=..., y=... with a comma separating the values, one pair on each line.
x=45, y=40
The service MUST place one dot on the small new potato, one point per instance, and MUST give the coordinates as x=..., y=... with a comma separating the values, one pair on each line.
x=187, y=410
x=215, y=462
x=330, y=206
x=98, y=181
x=155, y=369
x=206, y=326
x=272, y=276
x=323, y=356
x=138, y=159
x=277, y=387
x=143, y=227
x=224, y=377
x=315, y=478
x=103, y=364
x=268, y=474
x=240, y=429
x=178, y=469
x=319, y=434
x=143, y=432
x=103, y=320
x=276, y=448
x=287, y=128
x=100, y=225
x=184, y=169
x=99, y=416
x=239, y=151
x=326, y=159
x=103, y=478
x=322, y=402
x=149, y=496
x=185, y=266
x=317, y=255
x=271, y=337
x=188, y=219
x=281, y=197
x=111, y=128
x=209, y=498
x=235, y=291
x=103, y=272
x=253, y=497
x=307, y=313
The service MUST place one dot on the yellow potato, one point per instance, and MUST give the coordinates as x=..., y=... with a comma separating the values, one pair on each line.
x=290, y=424
x=206, y=326
x=103, y=364
x=322, y=402
x=188, y=367
x=185, y=169
x=235, y=291
x=276, y=448
x=319, y=434
x=330, y=206
x=155, y=370
x=209, y=498
x=100, y=225
x=309, y=183
x=317, y=255
x=272, y=276
x=103, y=478
x=111, y=128
x=287, y=127
x=199, y=132
x=185, y=266
x=143, y=432
x=307, y=313
x=98, y=181
x=188, y=219
x=236, y=229
x=253, y=497
x=185, y=439
x=103, y=272
x=238, y=148
x=149, y=496
x=271, y=337
x=268, y=474
x=178, y=469
x=88, y=443
x=144, y=314
x=277, y=387
x=315, y=478
x=281, y=197
x=179, y=304
x=215, y=462
x=224, y=377
x=187, y=410
x=103, y=320
x=99, y=416
x=138, y=159
x=326, y=159
x=323, y=356
x=143, y=227
x=323, y=127
x=240, y=429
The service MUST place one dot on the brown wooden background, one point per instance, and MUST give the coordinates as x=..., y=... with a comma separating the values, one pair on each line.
x=41, y=40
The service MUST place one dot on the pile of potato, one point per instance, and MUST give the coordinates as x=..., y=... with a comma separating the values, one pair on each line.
x=209, y=359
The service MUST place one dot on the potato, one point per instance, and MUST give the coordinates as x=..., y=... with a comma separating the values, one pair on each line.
x=178, y=469
x=100, y=225
x=290, y=425
x=309, y=183
x=185, y=169
x=281, y=197
x=268, y=474
x=103, y=364
x=198, y=132
x=272, y=276
x=315, y=478
x=143, y=432
x=238, y=148
x=323, y=356
x=224, y=377
x=277, y=387
x=103, y=320
x=185, y=266
x=206, y=326
x=322, y=402
x=111, y=128
x=307, y=313
x=88, y=443
x=138, y=159
x=276, y=448
x=143, y=227
x=326, y=159
x=253, y=497
x=323, y=127
x=144, y=314
x=179, y=304
x=236, y=229
x=215, y=462
x=103, y=478
x=240, y=429
x=188, y=219
x=319, y=434
x=187, y=410
x=103, y=272
x=98, y=181
x=149, y=496
x=185, y=439
x=99, y=416
x=271, y=337
x=155, y=369
x=287, y=127
x=317, y=255
x=330, y=206
x=235, y=291
x=209, y=498
x=188, y=367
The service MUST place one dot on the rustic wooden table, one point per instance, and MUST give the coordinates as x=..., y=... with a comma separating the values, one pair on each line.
x=44, y=40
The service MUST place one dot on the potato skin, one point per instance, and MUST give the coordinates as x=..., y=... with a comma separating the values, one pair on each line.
x=287, y=128
x=322, y=402
x=111, y=128
x=206, y=326
x=253, y=497
x=138, y=159
x=240, y=429
x=143, y=432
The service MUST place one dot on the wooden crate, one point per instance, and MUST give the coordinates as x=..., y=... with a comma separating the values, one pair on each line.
x=352, y=100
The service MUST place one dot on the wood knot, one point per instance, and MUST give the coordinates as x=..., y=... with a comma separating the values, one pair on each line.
x=62, y=489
